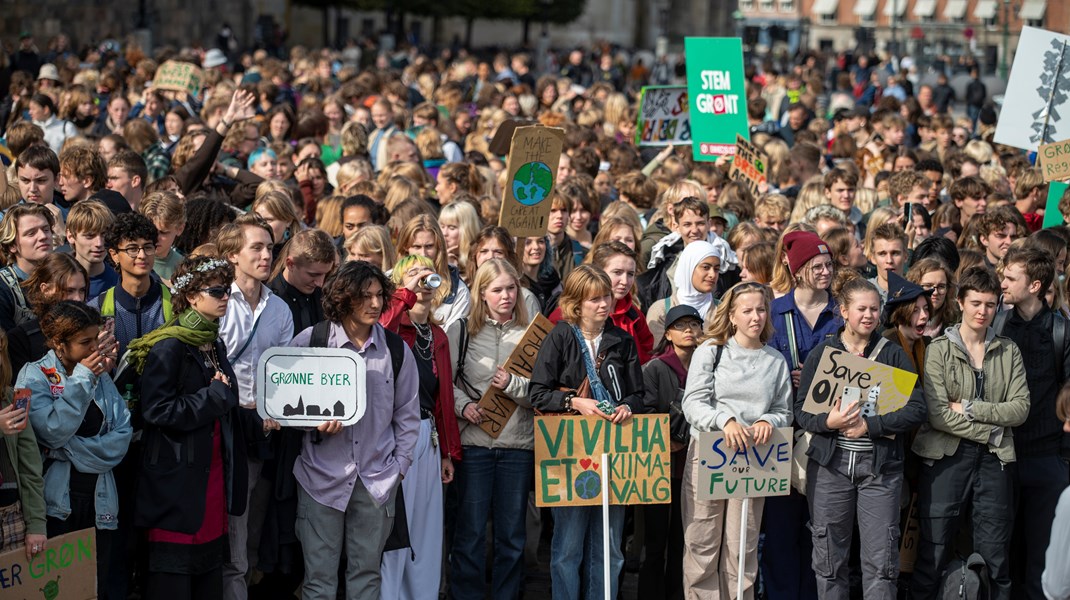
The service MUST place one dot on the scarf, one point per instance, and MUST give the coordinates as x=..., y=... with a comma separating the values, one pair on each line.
x=669, y=358
x=693, y=254
x=189, y=328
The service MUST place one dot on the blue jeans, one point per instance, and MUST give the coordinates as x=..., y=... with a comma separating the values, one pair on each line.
x=576, y=551
x=490, y=482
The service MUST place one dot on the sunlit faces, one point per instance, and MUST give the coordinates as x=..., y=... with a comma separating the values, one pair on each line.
x=72, y=188
x=624, y=235
x=254, y=259
x=500, y=296
x=998, y=241
x=621, y=271
x=452, y=234
x=73, y=289
x=692, y=227
x=445, y=189
x=888, y=255
x=919, y=319
x=107, y=149
x=1015, y=283
x=978, y=309
x=382, y=115
x=423, y=244
x=704, y=277
x=488, y=249
x=935, y=282
x=534, y=251
x=267, y=166
x=81, y=346
x=862, y=312
x=208, y=305
x=918, y=195
x=595, y=310
x=579, y=218
x=304, y=276
x=817, y=272
x=277, y=225
x=841, y=195
x=749, y=314
x=970, y=206
x=36, y=185
x=135, y=257
x=279, y=125
x=88, y=247
x=556, y=222
x=685, y=332
x=34, y=239
x=354, y=219
x=121, y=181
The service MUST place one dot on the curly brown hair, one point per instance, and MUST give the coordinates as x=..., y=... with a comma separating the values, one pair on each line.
x=65, y=319
x=343, y=292
x=222, y=272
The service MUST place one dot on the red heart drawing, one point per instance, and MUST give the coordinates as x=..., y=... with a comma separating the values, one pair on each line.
x=595, y=465
x=585, y=463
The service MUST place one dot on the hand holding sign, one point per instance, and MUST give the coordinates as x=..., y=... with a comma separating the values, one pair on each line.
x=839, y=370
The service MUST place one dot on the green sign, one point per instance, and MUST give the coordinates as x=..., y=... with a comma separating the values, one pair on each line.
x=717, y=99
x=1052, y=216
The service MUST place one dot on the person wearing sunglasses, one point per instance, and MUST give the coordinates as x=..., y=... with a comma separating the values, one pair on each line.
x=139, y=303
x=193, y=473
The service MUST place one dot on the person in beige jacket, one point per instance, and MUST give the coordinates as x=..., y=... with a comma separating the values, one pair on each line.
x=975, y=388
x=496, y=472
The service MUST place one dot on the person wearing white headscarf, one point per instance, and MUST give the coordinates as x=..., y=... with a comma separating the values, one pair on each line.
x=695, y=280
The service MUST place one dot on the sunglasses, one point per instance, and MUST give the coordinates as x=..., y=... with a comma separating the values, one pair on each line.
x=217, y=291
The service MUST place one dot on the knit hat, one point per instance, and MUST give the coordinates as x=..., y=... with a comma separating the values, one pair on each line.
x=800, y=247
x=901, y=291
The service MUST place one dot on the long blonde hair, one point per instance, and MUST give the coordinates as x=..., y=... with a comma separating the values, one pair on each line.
x=721, y=328
x=441, y=264
x=373, y=239
x=487, y=273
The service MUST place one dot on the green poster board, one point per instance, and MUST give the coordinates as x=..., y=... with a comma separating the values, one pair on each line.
x=1052, y=216
x=716, y=96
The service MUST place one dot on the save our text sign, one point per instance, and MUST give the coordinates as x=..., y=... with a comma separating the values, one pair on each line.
x=497, y=406
x=839, y=369
x=568, y=455
x=309, y=386
x=754, y=472
x=716, y=97
x=65, y=570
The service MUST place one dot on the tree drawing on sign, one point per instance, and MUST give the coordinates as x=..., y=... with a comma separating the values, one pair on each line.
x=1053, y=90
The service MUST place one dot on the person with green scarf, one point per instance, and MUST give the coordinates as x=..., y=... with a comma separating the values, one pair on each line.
x=193, y=468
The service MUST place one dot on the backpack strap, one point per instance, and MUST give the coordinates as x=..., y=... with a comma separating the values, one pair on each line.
x=458, y=376
x=168, y=311
x=668, y=305
x=320, y=334
x=396, y=346
x=881, y=343
x=1058, y=335
x=1001, y=320
x=11, y=280
x=717, y=356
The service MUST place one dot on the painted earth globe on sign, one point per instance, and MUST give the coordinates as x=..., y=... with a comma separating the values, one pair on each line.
x=532, y=183
x=588, y=484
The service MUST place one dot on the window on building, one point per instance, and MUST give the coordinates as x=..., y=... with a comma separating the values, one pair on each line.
x=787, y=6
x=767, y=6
x=746, y=4
x=1034, y=22
x=991, y=23
x=829, y=19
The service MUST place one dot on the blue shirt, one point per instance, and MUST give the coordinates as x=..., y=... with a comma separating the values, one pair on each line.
x=806, y=338
x=98, y=284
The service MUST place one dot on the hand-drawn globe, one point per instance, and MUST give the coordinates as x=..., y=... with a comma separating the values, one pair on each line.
x=532, y=183
x=588, y=485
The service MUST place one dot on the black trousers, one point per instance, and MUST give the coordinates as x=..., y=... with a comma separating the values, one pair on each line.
x=84, y=516
x=971, y=482
x=171, y=586
x=661, y=575
x=1040, y=480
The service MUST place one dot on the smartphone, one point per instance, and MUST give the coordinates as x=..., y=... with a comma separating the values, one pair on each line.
x=908, y=213
x=21, y=398
x=851, y=394
x=109, y=325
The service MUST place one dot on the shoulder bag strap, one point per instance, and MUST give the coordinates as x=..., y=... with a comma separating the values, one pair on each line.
x=249, y=338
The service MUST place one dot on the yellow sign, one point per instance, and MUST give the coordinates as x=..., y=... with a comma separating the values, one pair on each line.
x=839, y=369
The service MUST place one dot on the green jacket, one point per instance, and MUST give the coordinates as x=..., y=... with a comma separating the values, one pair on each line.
x=26, y=458
x=949, y=377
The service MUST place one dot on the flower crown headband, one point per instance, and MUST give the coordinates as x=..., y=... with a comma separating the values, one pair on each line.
x=183, y=280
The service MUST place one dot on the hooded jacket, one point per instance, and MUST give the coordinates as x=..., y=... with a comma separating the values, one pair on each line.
x=949, y=377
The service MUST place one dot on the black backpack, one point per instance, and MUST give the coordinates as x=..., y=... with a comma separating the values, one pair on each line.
x=966, y=580
x=399, y=534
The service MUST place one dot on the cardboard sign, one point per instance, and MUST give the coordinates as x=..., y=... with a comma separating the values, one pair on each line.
x=754, y=472
x=1052, y=216
x=908, y=544
x=715, y=95
x=532, y=168
x=309, y=386
x=1054, y=161
x=178, y=76
x=663, y=116
x=568, y=452
x=1036, y=97
x=748, y=166
x=497, y=406
x=65, y=570
x=839, y=369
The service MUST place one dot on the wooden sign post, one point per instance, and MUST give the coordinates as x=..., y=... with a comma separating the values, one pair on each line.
x=532, y=169
x=497, y=406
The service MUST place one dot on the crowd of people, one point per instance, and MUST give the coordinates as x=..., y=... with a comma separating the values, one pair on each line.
x=156, y=243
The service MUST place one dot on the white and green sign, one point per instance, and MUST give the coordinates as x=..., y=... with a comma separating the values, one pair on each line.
x=309, y=386
x=717, y=97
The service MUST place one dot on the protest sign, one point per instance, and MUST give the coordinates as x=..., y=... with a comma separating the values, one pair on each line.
x=532, y=168
x=568, y=451
x=1054, y=160
x=715, y=96
x=663, y=116
x=1052, y=216
x=65, y=570
x=839, y=369
x=761, y=470
x=497, y=406
x=178, y=76
x=1037, y=91
x=309, y=386
x=748, y=166
x=908, y=545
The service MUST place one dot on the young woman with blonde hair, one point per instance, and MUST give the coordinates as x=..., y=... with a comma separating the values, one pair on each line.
x=422, y=235
x=460, y=225
x=372, y=244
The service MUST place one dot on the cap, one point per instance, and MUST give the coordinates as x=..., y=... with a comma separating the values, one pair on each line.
x=214, y=58
x=800, y=247
x=901, y=291
x=716, y=212
x=681, y=311
x=48, y=71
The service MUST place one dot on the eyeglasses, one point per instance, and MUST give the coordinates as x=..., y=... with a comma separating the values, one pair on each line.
x=683, y=325
x=822, y=268
x=933, y=289
x=216, y=291
x=133, y=251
